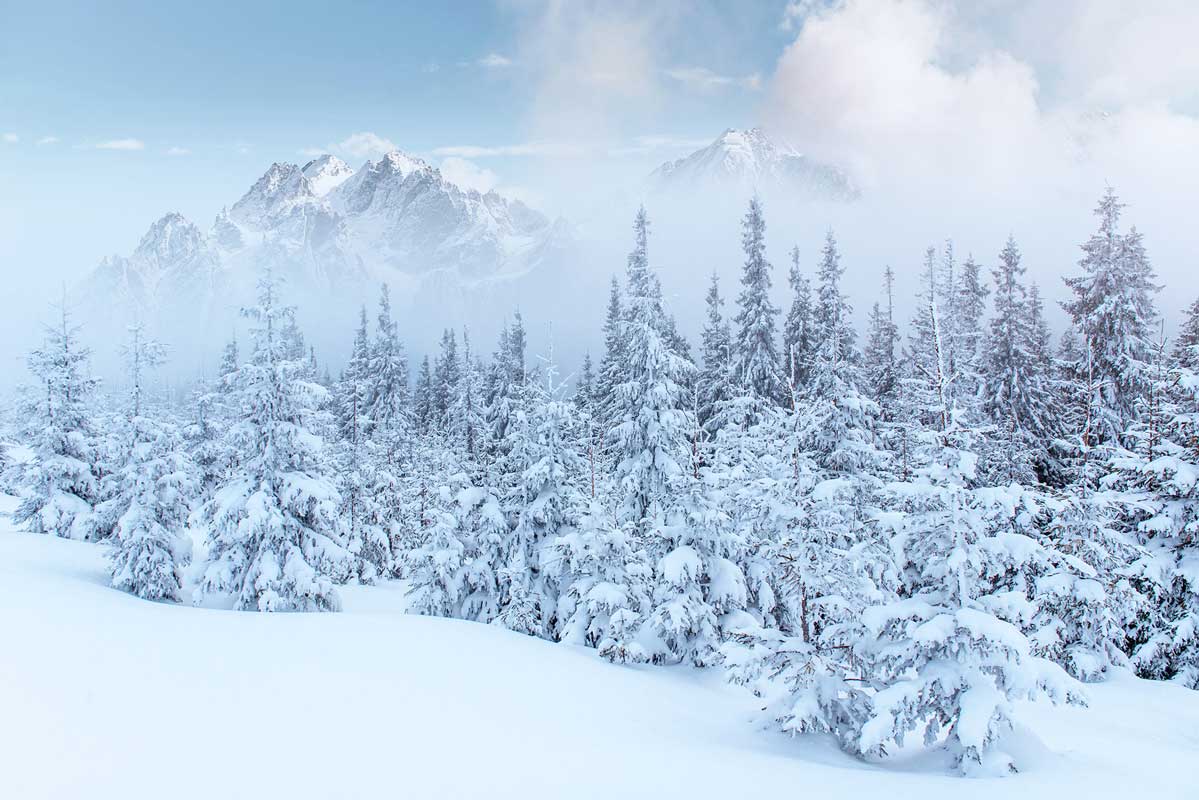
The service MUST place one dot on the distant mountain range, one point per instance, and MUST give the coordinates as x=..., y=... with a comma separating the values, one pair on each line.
x=330, y=228
x=749, y=160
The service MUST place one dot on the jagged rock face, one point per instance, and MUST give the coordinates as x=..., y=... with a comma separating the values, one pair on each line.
x=750, y=160
x=334, y=234
x=173, y=262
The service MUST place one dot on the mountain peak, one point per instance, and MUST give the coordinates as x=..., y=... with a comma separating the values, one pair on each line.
x=325, y=173
x=750, y=159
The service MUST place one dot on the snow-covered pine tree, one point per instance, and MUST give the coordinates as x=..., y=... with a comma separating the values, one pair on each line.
x=446, y=372
x=1112, y=307
x=424, y=414
x=651, y=424
x=831, y=563
x=880, y=370
x=586, y=402
x=612, y=365
x=546, y=500
x=715, y=383
x=927, y=383
x=366, y=528
x=60, y=486
x=941, y=658
x=149, y=495
x=1186, y=344
x=465, y=424
x=1156, y=486
x=1016, y=396
x=1084, y=594
x=831, y=314
x=388, y=410
x=698, y=584
x=756, y=359
x=603, y=586
x=799, y=343
x=274, y=540
x=454, y=573
x=969, y=309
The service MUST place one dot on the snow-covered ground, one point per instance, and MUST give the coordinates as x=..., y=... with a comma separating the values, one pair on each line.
x=103, y=695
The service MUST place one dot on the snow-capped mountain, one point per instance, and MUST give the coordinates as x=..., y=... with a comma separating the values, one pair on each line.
x=338, y=231
x=748, y=159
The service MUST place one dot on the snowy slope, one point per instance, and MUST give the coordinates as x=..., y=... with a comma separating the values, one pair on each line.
x=749, y=159
x=107, y=696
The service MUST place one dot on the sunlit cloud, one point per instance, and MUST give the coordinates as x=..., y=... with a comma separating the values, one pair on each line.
x=122, y=144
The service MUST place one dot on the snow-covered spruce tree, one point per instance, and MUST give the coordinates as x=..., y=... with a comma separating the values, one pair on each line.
x=424, y=416
x=612, y=364
x=150, y=494
x=388, y=401
x=1016, y=394
x=831, y=314
x=832, y=565
x=275, y=541
x=697, y=583
x=465, y=425
x=1156, y=486
x=1186, y=343
x=969, y=309
x=940, y=658
x=927, y=396
x=157, y=486
x=1112, y=308
x=602, y=585
x=454, y=573
x=366, y=528
x=506, y=387
x=880, y=369
x=799, y=343
x=1084, y=595
x=755, y=356
x=546, y=500
x=446, y=372
x=715, y=383
x=60, y=487
x=651, y=424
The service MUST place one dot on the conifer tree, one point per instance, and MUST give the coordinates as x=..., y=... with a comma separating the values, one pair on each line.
x=880, y=367
x=651, y=424
x=275, y=539
x=756, y=358
x=715, y=386
x=388, y=412
x=424, y=411
x=799, y=342
x=1112, y=307
x=61, y=485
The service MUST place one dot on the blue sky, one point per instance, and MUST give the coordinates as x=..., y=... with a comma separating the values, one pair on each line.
x=113, y=113
x=963, y=118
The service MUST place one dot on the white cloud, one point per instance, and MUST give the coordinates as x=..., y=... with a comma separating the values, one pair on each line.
x=48, y=140
x=530, y=149
x=494, y=61
x=11, y=138
x=958, y=120
x=122, y=144
x=430, y=67
x=795, y=12
x=468, y=174
x=364, y=145
x=705, y=80
x=178, y=151
x=659, y=143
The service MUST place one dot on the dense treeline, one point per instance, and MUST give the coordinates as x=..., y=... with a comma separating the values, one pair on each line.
x=878, y=534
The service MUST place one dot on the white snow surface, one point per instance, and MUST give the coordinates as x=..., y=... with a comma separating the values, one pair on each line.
x=104, y=695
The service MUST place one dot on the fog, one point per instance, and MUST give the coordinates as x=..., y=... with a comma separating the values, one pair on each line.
x=958, y=121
